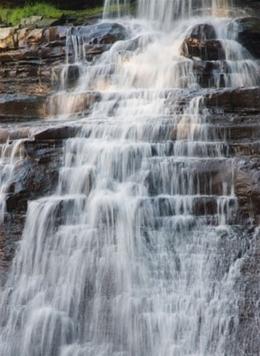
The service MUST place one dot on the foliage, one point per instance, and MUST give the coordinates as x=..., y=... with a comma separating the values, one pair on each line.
x=14, y=15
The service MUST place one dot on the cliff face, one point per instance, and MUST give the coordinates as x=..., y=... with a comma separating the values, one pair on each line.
x=30, y=61
x=30, y=67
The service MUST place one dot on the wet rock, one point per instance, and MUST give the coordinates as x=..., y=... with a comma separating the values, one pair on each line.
x=32, y=180
x=78, y=103
x=203, y=32
x=4, y=134
x=248, y=288
x=248, y=33
x=56, y=133
x=35, y=176
x=104, y=33
x=235, y=99
x=29, y=56
x=100, y=37
x=10, y=234
x=210, y=73
x=22, y=108
x=209, y=50
x=208, y=55
x=21, y=67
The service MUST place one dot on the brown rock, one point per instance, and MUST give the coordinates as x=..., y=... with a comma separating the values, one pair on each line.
x=208, y=50
x=56, y=33
x=22, y=108
x=7, y=41
x=35, y=36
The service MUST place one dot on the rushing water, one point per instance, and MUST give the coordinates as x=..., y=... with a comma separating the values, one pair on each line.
x=11, y=154
x=126, y=259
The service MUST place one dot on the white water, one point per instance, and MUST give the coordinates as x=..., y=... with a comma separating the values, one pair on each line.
x=11, y=153
x=129, y=257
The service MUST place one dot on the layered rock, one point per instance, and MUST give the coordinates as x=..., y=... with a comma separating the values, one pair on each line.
x=30, y=59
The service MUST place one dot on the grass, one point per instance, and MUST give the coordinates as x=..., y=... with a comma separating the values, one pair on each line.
x=14, y=15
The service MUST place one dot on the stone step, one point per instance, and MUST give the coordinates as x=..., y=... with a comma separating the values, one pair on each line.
x=22, y=108
x=181, y=205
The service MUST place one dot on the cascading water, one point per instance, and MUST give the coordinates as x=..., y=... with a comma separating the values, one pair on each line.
x=11, y=154
x=127, y=257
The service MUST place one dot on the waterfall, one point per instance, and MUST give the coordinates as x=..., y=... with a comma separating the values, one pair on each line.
x=166, y=11
x=135, y=253
x=11, y=154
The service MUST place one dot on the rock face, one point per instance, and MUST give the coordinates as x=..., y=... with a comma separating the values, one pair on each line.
x=29, y=64
x=202, y=43
x=30, y=61
x=248, y=32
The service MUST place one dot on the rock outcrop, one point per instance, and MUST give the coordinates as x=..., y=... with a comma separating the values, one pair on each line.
x=30, y=61
x=29, y=58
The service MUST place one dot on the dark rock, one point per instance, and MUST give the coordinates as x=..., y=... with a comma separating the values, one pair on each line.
x=107, y=32
x=64, y=20
x=10, y=234
x=210, y=73
x=31, y=182
x=235, y=99
x=203, y=32
x=56, y=133
x=249, y=34
x=35, y=176
x=22, y=108
x=208, y=50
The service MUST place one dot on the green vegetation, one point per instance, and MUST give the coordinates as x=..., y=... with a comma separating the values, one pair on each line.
x=14, y=15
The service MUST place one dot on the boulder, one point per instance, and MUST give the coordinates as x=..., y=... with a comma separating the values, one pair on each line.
x=209, y=73
x=203, y=32
x=208, y=50
x=102, y=33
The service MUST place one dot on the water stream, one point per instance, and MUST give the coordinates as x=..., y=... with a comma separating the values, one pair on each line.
x=129, y=256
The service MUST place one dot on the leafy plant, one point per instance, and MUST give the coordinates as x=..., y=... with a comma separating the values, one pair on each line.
x=14, y=15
